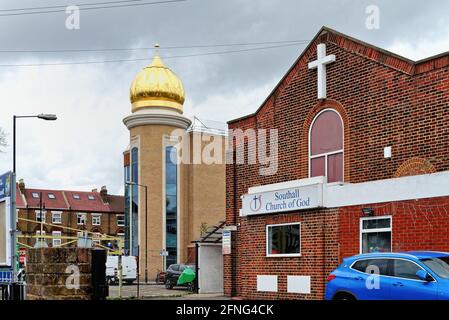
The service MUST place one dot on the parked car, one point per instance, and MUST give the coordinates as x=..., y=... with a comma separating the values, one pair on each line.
x=129, y=269
x=172, y=274
x=391, y=276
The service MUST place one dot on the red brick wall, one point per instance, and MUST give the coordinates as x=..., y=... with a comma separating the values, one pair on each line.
x=416, y=225
x=319, y=254
x=384, y=101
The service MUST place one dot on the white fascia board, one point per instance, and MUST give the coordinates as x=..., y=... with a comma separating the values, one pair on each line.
x=396, y=189
x=287, y=185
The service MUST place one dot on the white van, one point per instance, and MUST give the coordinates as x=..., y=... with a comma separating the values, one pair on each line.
x=129, y=269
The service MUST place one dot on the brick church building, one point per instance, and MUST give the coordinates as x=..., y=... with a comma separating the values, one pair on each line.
x=363, y=166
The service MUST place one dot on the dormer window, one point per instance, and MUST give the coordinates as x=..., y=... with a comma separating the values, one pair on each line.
x=91, y=197
x=51, y=196
x=35, y=195
x=76, y=196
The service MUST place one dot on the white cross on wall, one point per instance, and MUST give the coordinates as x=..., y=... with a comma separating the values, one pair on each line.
x=320, y=64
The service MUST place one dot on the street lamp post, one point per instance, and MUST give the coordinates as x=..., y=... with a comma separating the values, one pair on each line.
x=146, y=224
x=42, y=116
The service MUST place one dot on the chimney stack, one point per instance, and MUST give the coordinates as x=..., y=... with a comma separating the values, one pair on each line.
x=104, y=194
x=22, y=186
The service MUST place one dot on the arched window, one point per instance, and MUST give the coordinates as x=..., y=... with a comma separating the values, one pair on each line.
x=326, y=146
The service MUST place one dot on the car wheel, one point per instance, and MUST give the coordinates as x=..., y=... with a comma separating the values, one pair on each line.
x=344, y=296
x=168, y=284
x=191, y=287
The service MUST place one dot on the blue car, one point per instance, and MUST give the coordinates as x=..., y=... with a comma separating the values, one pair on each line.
x=391, y=276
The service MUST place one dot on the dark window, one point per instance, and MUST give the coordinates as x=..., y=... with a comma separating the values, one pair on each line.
x=405, y=269
x=376, y=235
x=134, y=225
x=376, y=223
x=438, y=265
x=371, y=266
x=326, y=146
x=171, y=204
x=283, y=239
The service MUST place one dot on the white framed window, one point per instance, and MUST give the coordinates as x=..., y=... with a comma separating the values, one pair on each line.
x=375, y=234
x=56, y=241
x=51, y=196
x=326, y=146
x=120, y=220
x=39, y=233
x=283, y=240
x=90, y=197
x=81, y=219
x=96, y=219
x=96, y=238
x=35, y=195
x=76, y=196
x=56, y=217
x=40, y=217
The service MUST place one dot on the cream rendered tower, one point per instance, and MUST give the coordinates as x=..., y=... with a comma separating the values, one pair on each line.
x=157, y=97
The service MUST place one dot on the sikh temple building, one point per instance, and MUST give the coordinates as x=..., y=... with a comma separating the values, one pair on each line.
x=171, y=196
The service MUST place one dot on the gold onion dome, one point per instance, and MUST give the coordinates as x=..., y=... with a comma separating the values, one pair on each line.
x=157, y=86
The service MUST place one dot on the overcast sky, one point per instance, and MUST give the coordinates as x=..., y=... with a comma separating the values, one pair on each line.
x=83, y=149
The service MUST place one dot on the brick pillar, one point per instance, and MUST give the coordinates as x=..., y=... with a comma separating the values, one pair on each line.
x=48, y=271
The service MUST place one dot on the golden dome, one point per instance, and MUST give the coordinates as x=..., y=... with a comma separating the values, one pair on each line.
x=157, y=86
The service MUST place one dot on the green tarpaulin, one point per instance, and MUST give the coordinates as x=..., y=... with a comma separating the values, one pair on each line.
x=188, y=275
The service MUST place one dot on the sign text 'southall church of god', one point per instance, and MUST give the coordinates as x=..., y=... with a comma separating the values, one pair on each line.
x=363, y=167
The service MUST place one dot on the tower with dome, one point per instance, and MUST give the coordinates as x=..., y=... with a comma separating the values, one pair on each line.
x=185, y=196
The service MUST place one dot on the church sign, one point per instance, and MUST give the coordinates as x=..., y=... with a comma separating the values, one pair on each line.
x=285, y=200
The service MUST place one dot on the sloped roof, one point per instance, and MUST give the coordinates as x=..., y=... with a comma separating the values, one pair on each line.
x=366, y=50
x=65, y=200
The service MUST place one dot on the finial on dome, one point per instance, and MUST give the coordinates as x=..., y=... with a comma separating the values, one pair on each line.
x=157, y=86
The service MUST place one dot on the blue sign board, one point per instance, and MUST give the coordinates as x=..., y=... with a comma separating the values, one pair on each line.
x=5, y=185
x=6, y=276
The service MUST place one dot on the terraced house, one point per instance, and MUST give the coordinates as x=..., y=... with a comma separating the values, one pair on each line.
x=66, y=214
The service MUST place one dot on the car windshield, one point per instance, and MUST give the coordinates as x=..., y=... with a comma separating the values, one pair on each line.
x=438, y=265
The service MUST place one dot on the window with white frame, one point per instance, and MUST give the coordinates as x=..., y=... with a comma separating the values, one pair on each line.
x=81, y=219
x=326, y=146
x=96, y=219
x=51, y=196
x=40, y=216
x=120, y=220
x=375, y=234
x=96, y=238
x=283, y=240
x=39, y=233
x=56, y=217
x=35, y=195
x=56, y=240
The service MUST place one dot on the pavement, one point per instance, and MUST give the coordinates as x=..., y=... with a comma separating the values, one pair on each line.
x=158, y=292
